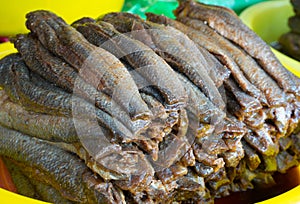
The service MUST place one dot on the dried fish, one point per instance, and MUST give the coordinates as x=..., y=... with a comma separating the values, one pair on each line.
x=175, y=50
x=217, y=71
x=261, y=141
x=80, y=184
x=252, y=71
x=57, y=71
x=53, y=101
x=33, y=97
x=6, y=75
x=207, y=41
x=199, y=105
x=169, y=139
x=48, y=127
x=150, y=66
x=96, y=64
x=228, y=24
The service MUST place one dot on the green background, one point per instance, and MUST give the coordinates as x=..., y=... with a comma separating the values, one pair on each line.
x=167, y=6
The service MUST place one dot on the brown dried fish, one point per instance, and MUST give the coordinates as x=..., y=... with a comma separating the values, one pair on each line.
x=57, y=71
x=252, y=71
x=199, y=105
x=48, y=127
x=261, y=141
x=51, y=100
x=149, y=65
x=207, y=41
x=64, y=171
x=33, y=97
x=173, y=46
x=228, y=24
x=100, y=67
x=217, y=71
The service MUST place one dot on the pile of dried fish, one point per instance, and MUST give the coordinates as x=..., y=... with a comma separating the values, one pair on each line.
x=125, y=110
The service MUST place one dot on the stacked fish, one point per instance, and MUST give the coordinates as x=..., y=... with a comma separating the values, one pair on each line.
x=126, y=110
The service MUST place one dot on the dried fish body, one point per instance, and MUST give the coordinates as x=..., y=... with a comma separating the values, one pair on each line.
x=194, y=70
x=253, y=72
x=40, y=61
x=150, y=66
x=7, y=75
x=248, y=103
x=208, y=42
x=32, y=188
x=79, y=185
x=244, y=107
x=173, y=49
x=48, y=193
x=51, y=100
x=200, y=105
x=232, y=157
x=57, y=71
x=227, y=23
x=215, y=69
x=33, y=97
x=209, y=160
x=257, y=76
x=47, y=127
x=112, y=161
x=92, y=62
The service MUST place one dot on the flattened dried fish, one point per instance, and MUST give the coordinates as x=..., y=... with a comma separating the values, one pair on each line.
x=98, y=65
x=174, y=47
x=228, y=24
